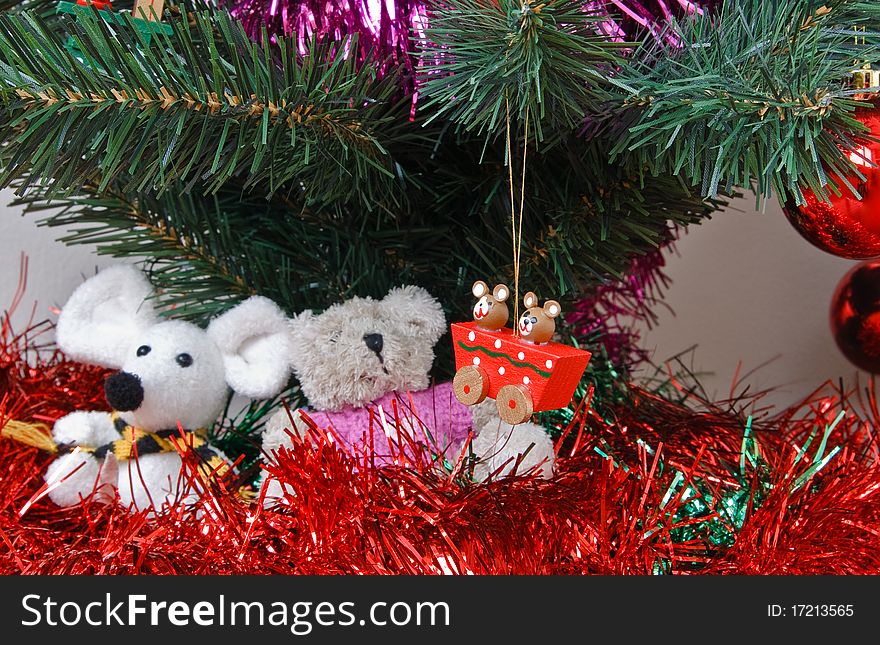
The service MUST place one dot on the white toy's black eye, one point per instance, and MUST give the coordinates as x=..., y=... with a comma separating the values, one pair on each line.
x=184, y=360
x=143, y=350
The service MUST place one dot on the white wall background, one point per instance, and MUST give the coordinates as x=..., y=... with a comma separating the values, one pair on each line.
x=54, y=268
x=745, y=288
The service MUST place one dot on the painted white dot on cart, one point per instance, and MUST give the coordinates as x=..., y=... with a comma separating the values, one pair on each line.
x=501, y=370
x=476, y=360
x=549, y=364
x=521, y=356
x=472, y=336
x=525, y=380
x=498, y=344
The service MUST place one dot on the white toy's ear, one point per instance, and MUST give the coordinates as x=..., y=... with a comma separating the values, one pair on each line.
x=254, y=341
x=417, y=307
x=104, y=316
x=479, y=289
x=530, y=300
x=552, y=309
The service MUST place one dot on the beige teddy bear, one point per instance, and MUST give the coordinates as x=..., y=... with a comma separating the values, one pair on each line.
x=367, y=361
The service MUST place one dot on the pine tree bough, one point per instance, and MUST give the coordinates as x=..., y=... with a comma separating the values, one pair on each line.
x=228, y=104
x=341, y=195
x=754, y=95
x=194, y=264
x=195, y=108
x=483, y=61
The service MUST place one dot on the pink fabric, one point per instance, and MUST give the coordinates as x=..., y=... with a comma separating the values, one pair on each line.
x=435, y=411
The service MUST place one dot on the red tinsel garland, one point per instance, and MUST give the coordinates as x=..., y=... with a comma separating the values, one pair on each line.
x=37, y=382
x=663, y=488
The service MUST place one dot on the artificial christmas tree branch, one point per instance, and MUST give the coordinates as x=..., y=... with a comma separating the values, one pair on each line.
x=219, y=106
x=331, y=233
x=542, y=58
x=176, y=236
x=752, y=95
x=201, y=249
x=206, y=252
x=587, y=217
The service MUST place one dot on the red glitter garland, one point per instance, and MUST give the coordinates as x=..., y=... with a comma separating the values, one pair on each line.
x=663, y=488
x=37, y=382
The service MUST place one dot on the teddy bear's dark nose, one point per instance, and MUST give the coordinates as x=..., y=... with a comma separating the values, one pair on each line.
x=374, y=342
x=124, y=391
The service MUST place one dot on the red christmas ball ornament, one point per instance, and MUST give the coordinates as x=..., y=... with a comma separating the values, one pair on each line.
x=847, y=227
x=855, y=316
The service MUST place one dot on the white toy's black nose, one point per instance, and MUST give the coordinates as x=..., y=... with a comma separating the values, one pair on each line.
x=124, y=391
x=374, y=342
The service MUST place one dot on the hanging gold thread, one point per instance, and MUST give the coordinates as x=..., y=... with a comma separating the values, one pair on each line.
x=516, y=232
x=512, y=221
x=522, y=207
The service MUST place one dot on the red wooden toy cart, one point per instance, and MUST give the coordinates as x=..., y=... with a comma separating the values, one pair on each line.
x=521, y=376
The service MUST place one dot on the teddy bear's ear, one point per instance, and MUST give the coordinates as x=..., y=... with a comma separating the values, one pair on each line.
x=254, y=339
x=479, y=289
x=552, y=309
x=530, y=300
x=417, y=307
x=501, y=293
x=303, y=334
x=104, y=315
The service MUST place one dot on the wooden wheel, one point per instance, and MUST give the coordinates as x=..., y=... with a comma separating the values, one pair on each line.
x=514, y=404
x=471, y=384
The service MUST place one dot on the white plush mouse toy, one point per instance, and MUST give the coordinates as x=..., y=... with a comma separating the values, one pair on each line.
x=172, y=375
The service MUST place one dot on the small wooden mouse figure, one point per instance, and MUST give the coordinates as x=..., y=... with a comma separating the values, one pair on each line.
x=490, y=312
x=537, y=324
